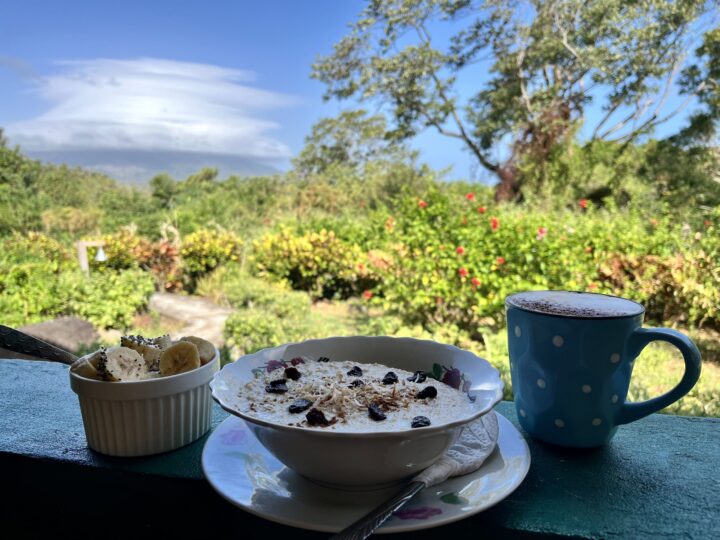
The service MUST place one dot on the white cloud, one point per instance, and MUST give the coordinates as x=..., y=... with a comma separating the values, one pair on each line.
x=153, y=104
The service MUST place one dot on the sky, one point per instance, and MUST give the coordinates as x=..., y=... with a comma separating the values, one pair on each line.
x=129, y=87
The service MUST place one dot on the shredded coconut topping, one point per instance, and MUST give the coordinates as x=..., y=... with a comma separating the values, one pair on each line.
x=345, y=402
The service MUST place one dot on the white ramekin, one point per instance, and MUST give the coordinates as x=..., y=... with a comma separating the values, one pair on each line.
x=146, y=417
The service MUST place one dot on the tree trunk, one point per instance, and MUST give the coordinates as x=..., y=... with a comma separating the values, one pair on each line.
x=508, y=189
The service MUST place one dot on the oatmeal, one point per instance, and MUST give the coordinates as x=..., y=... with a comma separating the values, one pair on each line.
x=350, y=397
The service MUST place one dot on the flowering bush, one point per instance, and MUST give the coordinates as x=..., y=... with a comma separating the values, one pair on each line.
x=318, y=262
x=204, y=250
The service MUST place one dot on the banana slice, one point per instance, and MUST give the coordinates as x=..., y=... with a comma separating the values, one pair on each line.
x=86, y=366
x=206, y=350
x=163, y=342
x=181, y=356
x=122, y=364
x=148, y=348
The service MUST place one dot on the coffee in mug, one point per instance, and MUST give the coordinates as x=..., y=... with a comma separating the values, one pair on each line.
x=571, y=359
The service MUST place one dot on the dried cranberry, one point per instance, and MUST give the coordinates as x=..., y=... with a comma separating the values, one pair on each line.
x=418, y=377
x=299, y=405
x=390, y=378
x=356, y=383
x=297, y=360
x=292, y=373
x=375, y=412
x=420, y=421
x=316, y=418
x=427, y=392
x=323, y=359
x=355, y=372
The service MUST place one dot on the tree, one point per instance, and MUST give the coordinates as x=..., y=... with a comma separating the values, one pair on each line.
x=350, y=140
x=164, y=190
x=547, y=60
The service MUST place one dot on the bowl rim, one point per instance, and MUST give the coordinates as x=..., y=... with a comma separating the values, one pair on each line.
x=357, y=434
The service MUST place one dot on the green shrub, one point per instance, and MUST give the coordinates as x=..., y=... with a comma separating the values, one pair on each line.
x=205, y=250
x=316, y=261
x=107, y=299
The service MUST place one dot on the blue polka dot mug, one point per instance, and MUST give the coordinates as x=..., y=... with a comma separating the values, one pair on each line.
x=571, y=359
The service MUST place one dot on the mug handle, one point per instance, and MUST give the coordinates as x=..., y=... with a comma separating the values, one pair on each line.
x=637, y=341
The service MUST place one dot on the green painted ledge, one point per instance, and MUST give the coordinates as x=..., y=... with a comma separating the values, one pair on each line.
x=658, y=478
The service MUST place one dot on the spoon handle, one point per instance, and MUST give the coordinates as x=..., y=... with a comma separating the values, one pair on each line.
x=367, y=524
x=19, y=342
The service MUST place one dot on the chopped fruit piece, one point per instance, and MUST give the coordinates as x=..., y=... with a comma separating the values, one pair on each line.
x=427, y=392
x=356, y=383
x=418, y=377
x=292, y=373
x=375, y=412
x=420, y=421
x=355, y=372
x=300, y=405
x=390, y=378
x=277, y=386
x=316, y=418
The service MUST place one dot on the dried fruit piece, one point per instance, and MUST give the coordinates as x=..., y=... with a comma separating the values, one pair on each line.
x=300, y=405
x=390, y=378
x=297, y=360
x=375, y=412
x=316, y=418
x=355, y=372
x=277, y=386
x=418, y=377
x=420, y=421
x=356, y=383
x=427, y=392
x=323, y=359
x=292, y=373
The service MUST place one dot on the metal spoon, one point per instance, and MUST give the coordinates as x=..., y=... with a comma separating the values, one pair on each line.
x=20, y=342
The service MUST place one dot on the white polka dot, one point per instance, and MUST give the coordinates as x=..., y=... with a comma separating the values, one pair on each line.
x=558, y=341
x=522, y=413
x=615, y=358
x=518, y=332
x=559, y=423
x=596, y=422
x=541, y=383
x=615, y=398
x=586, y=388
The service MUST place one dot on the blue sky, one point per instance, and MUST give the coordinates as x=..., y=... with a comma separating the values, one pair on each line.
x=234, y=77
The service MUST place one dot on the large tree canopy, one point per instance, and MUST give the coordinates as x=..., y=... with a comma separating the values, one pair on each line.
x=539, y=66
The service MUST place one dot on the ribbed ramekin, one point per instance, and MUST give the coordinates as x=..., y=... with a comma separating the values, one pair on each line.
x=146, y=417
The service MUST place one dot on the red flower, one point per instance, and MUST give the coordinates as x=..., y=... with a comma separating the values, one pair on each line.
x=463, y=272
x=422, y=204
x=460, y=250
x=482, y=209
x=541, y=232
x=592, y=286
x=500, y=261
x=470, y=196
x=475, y=281
x=361, y=267
x=367, y=295
x=494, y=223
x=583, y=203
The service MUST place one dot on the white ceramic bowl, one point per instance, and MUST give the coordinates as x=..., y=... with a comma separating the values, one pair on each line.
x=372, y=459
x=146, y=417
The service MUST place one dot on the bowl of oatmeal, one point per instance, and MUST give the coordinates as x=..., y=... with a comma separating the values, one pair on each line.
x=358, y=412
